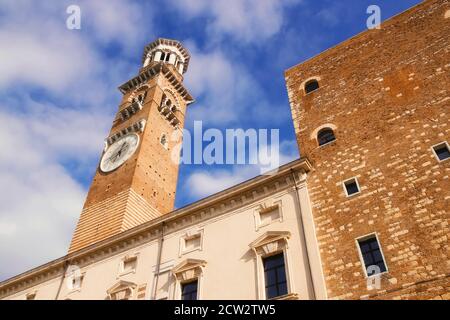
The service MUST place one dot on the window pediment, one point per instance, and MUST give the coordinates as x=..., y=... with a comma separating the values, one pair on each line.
x=270, y=242
x=122, y=290
x=188, y=269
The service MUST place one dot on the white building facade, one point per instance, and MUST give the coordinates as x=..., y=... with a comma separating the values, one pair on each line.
x=255, y=240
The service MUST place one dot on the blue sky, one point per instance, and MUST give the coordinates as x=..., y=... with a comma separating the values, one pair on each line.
x=58, y=94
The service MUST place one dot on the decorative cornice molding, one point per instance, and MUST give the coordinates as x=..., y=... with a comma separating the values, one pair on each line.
x=121, y=290
x=135, y=127
x=130, y=110
x=189, y=269
x=152, y=71
x=241, y=195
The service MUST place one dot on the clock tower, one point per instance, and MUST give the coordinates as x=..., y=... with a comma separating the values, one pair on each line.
x=136, y=178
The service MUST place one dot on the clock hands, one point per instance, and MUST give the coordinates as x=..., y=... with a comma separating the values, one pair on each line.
x=118, y=153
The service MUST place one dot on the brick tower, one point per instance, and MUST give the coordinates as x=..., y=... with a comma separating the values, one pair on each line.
x=372, y=115
x=137, y=174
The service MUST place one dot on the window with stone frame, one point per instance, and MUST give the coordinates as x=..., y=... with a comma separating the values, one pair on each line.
x=326, y=135
x=189, y=290
x=311, y=86
x=442, y=151
x=372, y=255
x=272, y=266
x=275, y=276
x=188, y=279
x=351, y=187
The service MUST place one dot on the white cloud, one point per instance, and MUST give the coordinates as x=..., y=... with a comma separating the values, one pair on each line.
x=43, y=53
x=212, y=76
x=227, y=90
x=116, y=21
x=52, y=62
x=39, y=200
x=245, y=20
x=288, y=151
x=204, y=182
x=7, y=228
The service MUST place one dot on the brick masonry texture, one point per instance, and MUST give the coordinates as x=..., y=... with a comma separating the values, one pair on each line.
x=386, y=92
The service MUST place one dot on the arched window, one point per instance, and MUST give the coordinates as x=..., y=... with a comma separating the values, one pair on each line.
x=163, y=56
x=325, y=135
x=311, y=86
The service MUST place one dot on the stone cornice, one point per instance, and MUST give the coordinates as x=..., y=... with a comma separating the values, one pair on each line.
x=218, y=204
x=152, y=71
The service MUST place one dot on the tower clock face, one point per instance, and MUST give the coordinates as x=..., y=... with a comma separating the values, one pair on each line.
x=119, y=152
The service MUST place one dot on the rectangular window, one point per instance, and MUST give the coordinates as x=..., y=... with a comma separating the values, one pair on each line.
x=129, y=264
x=77, y=281
x=270, y=215
x=372, y=255
x=275, y=276
x=351, y=187
x=189, y=290
x=192, y=242
x=442, y=151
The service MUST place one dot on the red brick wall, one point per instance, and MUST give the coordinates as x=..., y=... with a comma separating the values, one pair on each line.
x=387, y=93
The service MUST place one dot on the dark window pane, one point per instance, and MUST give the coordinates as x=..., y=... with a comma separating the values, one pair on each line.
x=271, y=278
x=325, y=136
x=273, y=261
x=275, y=276
x=281, y=275
x=372, y=256
x=377, y=256
x=271, y=292
x=189, y=291
x=382, y=266
x=442, y=152
x=368, y=259
x=282, y=289
x=311, y=86
x=374, y=245
x=365, y=247
x=352, y=188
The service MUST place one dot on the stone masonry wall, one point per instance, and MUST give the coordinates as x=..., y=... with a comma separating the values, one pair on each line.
x=387, y=94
